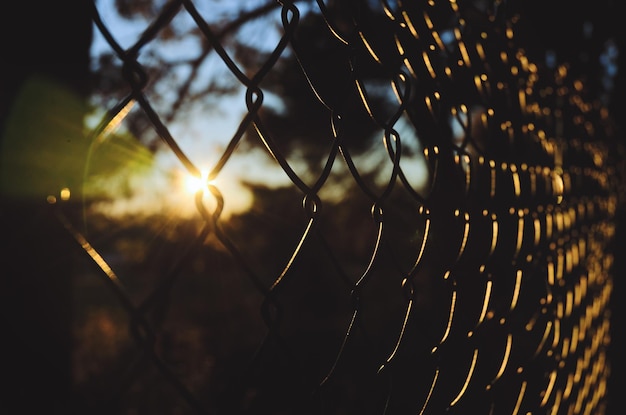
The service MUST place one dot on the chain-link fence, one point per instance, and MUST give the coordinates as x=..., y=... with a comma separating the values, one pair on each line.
x=402, y=210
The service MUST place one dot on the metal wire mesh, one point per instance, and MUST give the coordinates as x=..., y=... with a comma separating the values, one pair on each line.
x=457, y=262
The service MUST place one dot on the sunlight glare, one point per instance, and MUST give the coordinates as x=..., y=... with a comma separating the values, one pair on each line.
x=194, y=184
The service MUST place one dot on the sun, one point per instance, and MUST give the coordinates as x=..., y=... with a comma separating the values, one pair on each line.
x=194, y=184
x=225, y=191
